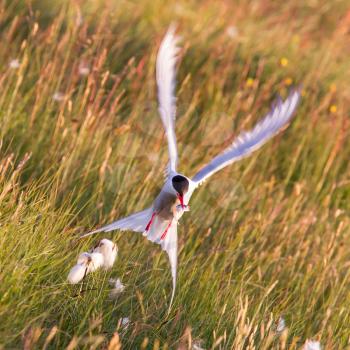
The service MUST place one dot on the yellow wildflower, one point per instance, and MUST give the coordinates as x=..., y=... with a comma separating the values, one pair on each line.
x=249, y=82
x=288, y=81
x=333, y=109
x=284, y=62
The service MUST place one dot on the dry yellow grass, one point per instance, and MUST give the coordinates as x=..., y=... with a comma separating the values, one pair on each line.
x=265, y=238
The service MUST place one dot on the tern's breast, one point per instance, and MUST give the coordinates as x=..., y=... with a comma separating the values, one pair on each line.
x=165, y=205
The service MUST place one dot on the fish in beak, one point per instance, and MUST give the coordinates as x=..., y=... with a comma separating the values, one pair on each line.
x=181, y=199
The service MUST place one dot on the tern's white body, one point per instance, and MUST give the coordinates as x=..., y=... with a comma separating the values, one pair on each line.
x=159, y=222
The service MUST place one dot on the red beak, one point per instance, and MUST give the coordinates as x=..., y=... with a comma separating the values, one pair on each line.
x=181, y=199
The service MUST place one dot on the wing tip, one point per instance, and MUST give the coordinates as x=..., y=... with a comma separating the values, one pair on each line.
x=170, y=39
x=172, y=28
x=89, y=233
x=294, y=91
x=172, y=31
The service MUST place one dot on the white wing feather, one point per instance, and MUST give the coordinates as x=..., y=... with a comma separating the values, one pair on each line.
x=135, y=222
x=166, y=80
x=249, y=141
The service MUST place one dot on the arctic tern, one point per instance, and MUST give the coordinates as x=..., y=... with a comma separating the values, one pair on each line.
x=159, y=222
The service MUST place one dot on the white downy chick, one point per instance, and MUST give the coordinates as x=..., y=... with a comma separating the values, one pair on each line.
x=109, y=251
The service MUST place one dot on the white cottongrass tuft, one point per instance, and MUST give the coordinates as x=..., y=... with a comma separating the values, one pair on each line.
x=281, y=325
x=84, y=69
x=92, y=261
x=124, y=322
x=84, y=258
x=197, y=344
x=58, y=96
x=312, y=345
x=103, y=255
x=86, y=263
x=79, y=20
x=118, y=287
x=14, y=64
x=152, y=157
x=109, y=251
x=77, y=273
x=232, y=32
x=97, y=261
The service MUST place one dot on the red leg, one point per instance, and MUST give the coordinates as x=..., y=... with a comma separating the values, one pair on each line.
x=150, y=222
x=166, y=230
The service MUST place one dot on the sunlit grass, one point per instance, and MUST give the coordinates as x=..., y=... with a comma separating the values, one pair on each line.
x=82, y=144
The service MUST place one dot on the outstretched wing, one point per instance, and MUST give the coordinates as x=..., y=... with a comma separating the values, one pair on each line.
x=166, y=80
x=249, y=141
x=135, y=222
x=138, y=222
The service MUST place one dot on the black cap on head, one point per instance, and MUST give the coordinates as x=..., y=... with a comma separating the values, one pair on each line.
x=181, y=184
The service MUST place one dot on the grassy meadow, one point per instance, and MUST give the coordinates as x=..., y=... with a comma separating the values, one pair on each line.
x=82, y=144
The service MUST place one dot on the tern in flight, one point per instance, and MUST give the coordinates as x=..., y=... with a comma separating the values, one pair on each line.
x=159, y=222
